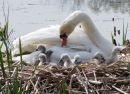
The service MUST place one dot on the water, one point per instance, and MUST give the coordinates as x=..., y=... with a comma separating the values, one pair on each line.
x=26, y=16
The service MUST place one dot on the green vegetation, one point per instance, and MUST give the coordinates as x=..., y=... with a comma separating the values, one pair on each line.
x=9, y=87
x=64, y=86
x=124, y=34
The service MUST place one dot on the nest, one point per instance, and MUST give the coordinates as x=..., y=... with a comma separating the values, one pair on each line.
x=86, y=78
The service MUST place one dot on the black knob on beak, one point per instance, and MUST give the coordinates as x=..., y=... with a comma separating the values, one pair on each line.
x=63, y=36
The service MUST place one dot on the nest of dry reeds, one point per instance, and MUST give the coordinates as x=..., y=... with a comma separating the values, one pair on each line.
x=82, y=79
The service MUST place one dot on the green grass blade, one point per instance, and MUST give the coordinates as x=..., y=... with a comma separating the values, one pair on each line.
x=16, y=82
x=56, y=87
x=8, y=91
x=123, y=36
x=7, y=51
x=64, y=86
x=20, y=50
x=2, y=65
x=1, y=45
x=112, y=37
x=35, y=69
x=10, y=56
x=126, y=31
x=6, y=31
x=20, y=91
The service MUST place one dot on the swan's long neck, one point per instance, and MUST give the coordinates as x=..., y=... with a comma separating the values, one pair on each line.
x=89, y=28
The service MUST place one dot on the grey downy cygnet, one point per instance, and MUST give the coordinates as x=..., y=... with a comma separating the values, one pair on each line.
x=68, y=62
x=31, y=59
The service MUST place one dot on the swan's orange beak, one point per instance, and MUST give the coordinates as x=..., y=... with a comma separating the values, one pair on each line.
x=64, y=41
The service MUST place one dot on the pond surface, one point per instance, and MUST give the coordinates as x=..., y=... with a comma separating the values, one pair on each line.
x=29, y=15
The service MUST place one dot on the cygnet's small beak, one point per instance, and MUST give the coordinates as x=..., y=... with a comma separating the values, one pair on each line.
x=61, y=62
x=103, y=59
x=121, y=52
x=77, y=62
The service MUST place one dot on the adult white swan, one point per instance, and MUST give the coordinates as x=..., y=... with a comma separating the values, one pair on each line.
x=85, y=41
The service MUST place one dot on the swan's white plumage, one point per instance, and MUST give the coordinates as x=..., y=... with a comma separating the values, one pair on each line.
x=84, y=41
x=29, y=59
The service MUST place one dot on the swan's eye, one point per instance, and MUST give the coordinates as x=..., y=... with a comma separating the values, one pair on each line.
x=63, y=35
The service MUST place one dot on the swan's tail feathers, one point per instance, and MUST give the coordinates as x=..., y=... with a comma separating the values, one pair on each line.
x=25, y=50
x=16, y=59
x=45, y=35
x=15, y=51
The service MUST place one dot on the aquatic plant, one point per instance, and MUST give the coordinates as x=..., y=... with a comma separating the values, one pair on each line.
x=124, y=35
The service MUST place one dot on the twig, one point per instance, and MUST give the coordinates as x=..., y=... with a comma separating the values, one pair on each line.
x=95, y=82
x=28, y=85
x=52, y=73
x=121, y=91
x=95, y=75
x=70, y=87
x=85, y=84
x=88, y=81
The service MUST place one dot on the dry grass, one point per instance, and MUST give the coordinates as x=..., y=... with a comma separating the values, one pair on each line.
x=83, y=79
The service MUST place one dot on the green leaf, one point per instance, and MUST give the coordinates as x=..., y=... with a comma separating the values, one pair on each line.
x=7, y=51
x=8, y=91
x=20, y=91
x=64, y=86
x=123, y=36
x=20, y=49
x=126, y=31
x=2, y=65
x=16, y=82
x=35, y=69
x=112, y=37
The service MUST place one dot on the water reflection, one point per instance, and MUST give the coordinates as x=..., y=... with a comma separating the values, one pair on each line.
x=107, y=5
x=122, y=6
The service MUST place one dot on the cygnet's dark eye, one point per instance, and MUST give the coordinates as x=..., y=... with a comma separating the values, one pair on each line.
x=63, y=58
x=36, y=50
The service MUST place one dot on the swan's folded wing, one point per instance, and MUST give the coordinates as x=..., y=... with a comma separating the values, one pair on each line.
x=80, y=48
x=43, y=36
